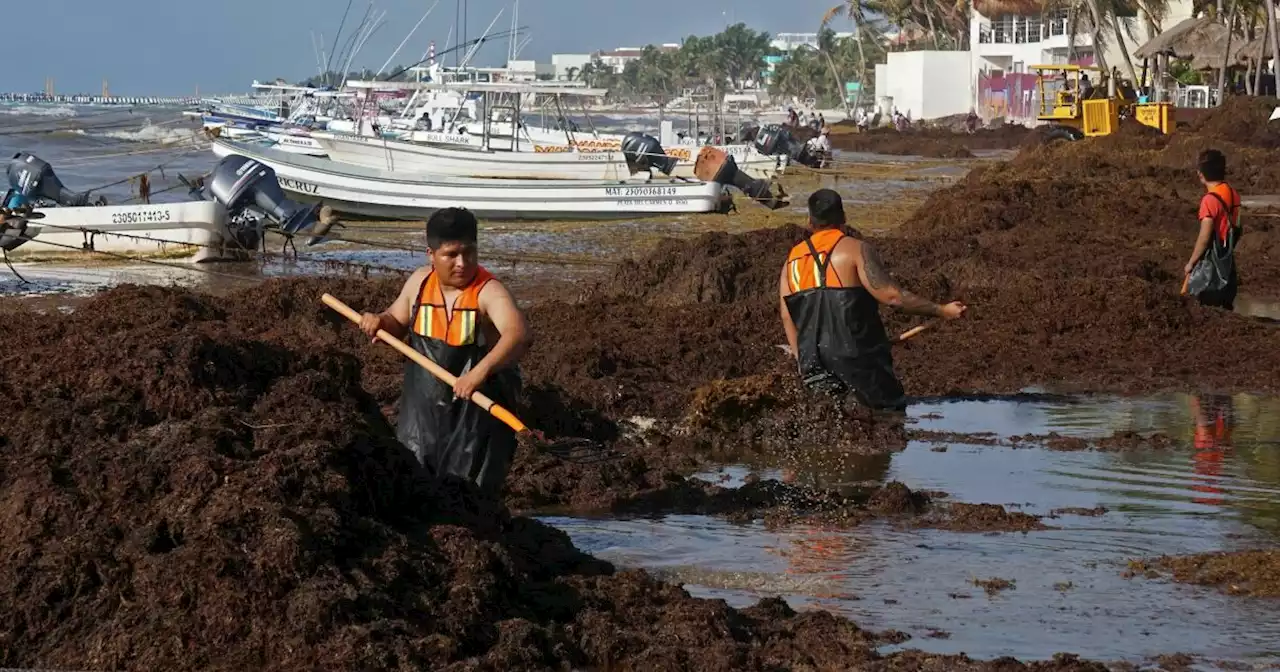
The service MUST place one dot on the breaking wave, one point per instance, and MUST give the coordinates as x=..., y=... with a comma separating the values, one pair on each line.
x=39, y=110
x=161, y=135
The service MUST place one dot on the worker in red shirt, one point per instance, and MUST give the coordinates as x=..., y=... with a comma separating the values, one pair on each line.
x=1215, y=282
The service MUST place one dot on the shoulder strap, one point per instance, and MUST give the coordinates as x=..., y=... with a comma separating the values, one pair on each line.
x=822, y=263
x=1232, y=221
x=1233, y=224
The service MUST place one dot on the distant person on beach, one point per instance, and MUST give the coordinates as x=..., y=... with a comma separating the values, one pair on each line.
x=456, y=313
x=819, y=147
x=829, y=293
x=1215, y=282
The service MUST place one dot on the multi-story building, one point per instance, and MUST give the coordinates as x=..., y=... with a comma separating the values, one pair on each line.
x=618, y=58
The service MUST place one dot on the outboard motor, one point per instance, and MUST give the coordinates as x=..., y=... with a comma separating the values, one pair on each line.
x=13, y=229
x=31, y=178
x=644, y=152
x=774, y=140
x=714, y=165
x=252, y=196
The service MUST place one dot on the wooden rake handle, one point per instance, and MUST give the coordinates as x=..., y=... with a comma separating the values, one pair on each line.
x=914, y=331
x=422, y=360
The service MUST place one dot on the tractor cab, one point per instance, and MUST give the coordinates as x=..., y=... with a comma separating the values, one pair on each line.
x=1086, y=101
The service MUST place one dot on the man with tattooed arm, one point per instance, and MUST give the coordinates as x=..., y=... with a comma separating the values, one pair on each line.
x=830, y=293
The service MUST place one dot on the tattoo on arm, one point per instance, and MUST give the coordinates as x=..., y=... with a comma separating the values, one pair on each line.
x=878, y=277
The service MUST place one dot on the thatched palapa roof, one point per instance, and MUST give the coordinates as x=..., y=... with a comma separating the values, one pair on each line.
x=994, y=9
x=1254, y=50
x=1202, y=40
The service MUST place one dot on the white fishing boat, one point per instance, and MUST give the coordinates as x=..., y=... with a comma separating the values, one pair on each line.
x=194, y=230
x=507, y=150
x=224, y=220
x=375, y=193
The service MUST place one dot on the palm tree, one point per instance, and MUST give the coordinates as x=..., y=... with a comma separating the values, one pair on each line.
x=827, y=47
x=854, y=10
x=743, y=51
x=799, y=74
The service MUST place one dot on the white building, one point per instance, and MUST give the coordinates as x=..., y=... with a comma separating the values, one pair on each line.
x=567, y=66
x=924, y=84
x=528, y=71
x=618, y=58
x=789, y=42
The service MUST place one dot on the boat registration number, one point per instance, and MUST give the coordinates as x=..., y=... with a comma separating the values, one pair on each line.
x=640, y=191
x=595, y=156
x=142, y=216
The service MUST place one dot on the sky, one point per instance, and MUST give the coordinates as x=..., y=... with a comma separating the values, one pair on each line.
x=171, y=47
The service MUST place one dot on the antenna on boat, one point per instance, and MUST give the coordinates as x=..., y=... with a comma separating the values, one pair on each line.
x=515, y=33
x=316, y=49
x=523, y=43
x=406, y=39
x=457, y=25
x=351, y=41
x=376, y=25
x=480, y=42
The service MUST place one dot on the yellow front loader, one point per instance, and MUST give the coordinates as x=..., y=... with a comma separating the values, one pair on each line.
x=1079, y=101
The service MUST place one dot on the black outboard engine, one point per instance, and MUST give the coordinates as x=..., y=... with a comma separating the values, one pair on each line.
x=32, y=179
x=715, y=165
x=774, y=140
x=13, y=230
x=644, y=152
x=253, y=197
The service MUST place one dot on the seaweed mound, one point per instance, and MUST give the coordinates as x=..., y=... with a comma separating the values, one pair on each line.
x=182, y=491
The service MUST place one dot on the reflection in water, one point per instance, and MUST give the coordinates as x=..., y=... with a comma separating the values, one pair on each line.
x=1217, y=489
x=1213, y=417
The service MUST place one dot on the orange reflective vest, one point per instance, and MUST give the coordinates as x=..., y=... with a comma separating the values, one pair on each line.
x=840, y=341
x=434, y=320
x=804, y=271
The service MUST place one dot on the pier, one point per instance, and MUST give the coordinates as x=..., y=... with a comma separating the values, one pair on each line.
x=87, y=99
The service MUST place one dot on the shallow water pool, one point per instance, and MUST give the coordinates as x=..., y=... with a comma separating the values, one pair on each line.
x=1069, y=592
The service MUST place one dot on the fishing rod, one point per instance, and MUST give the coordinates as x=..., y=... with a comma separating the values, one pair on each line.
x=374, y=27
x=328, y=64
x=351, y=41
x=483, y=36
x=405, y=40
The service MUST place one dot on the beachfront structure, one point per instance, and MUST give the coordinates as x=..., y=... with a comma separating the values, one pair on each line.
x=617, y=59
x=1007, y=37
x=789, y=42
x=924, y=84
x=529, y=71
x=568, y=66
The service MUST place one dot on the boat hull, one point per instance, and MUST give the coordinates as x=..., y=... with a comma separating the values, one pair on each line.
x=194, y=230
x=373, y=193
x=556, y=162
